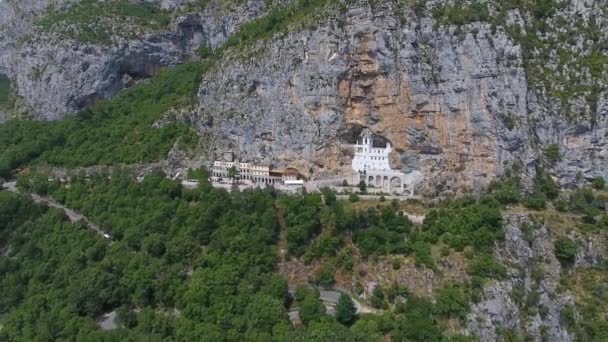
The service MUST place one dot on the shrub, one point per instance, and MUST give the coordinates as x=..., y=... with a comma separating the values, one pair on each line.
x=329, y=196
x=485, y=266
x=204, y=51
x=552, y=153
x=461, y=14
x=535, y=202
x=507, y=191
x=560, y=205
x=353, y=198
x=568, y=316
x=422, y=251
x=325, y=275
x=598, y=183
x=377, y=298
x=466, y=223
x=396, y=263
x=565, y=250
x=5, y=90
x=452, y=301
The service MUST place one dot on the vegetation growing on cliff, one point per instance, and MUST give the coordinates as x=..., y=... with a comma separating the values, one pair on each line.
x=5, y=91
x=97, y=22
x=563, y=53
x=114, y=131
x=590, y=289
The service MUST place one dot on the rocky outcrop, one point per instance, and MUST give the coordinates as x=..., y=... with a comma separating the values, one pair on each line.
x=57, y=76
x=454, y=101
x=530, y=301
x=436, y=95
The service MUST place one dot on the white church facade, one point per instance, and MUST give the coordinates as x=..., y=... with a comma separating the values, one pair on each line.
x=371, y=165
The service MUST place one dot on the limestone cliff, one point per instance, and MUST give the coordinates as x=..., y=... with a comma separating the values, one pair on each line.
x=454, y=100
x=58, y=68
x=457, y=90
x=534, y=281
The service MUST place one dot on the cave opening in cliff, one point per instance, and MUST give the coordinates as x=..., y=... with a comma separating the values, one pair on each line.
x=353, y=133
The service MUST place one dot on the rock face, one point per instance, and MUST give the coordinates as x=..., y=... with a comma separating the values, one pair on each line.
x=435, y=95
x=453, y=101
x=57, y=76
x=529, y=302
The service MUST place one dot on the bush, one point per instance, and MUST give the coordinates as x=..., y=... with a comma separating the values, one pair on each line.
x=507, y=191
x=5, y=90
x=204, y=51
x=568, y=316
x=452, y=301
x=396, y=263
x=423, y=255
x=561, y=205
x=598, y=183
x=565, y=250
x=535, y=202
x=552, y=153
x=329, y=196
x=325, y=275
x=485, y=266
x=353, y=198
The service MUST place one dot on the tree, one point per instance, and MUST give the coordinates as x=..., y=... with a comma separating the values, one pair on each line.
x=565, y=250
x=264, y=311
x=277, y=288
x=311, y=309
x=329, y=196
x=327, y=330
x=362, y=186
x=232, y=173
x=345, y=310
x=452, y=301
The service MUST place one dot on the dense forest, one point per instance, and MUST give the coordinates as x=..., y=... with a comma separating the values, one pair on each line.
x=194, y=264
x=202, y=264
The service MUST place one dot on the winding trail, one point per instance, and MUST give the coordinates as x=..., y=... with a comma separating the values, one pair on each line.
x=72, y=215
x=330, y=299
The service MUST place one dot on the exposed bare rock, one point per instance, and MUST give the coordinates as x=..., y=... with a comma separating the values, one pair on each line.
x=57, y=76
x=529, y=302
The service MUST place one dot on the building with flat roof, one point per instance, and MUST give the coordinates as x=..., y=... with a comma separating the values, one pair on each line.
x=261, y=173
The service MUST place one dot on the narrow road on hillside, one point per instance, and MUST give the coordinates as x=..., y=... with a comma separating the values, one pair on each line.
x=72, y=215
x=330, y=299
